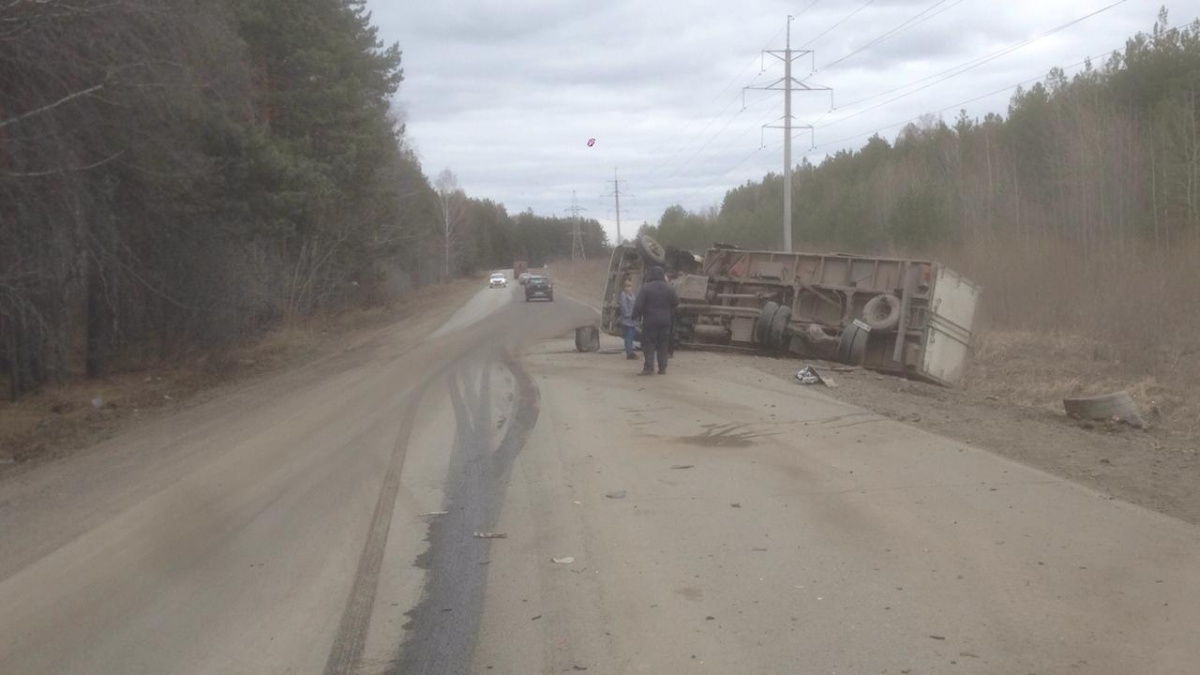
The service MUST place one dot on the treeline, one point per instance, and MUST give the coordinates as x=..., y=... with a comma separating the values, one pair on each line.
x=177, y=175
x=1110, y=155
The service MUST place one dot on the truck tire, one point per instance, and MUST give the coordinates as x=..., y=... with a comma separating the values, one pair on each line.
x=779, y=324
x=651, y=250
x=882, y=312
x=852, y=347
x=1115, y=406
x=762, y=328
x=587, y=339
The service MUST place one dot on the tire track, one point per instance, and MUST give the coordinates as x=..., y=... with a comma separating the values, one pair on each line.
x=356, y=617
x=444, y=627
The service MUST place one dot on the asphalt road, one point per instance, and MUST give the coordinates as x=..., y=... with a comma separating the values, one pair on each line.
x=715, y=520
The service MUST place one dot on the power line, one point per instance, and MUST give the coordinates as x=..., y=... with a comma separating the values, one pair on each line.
x=1039, y=78
x=919, y=17
x=714, y=118
x=829, y=30
x=964, y=67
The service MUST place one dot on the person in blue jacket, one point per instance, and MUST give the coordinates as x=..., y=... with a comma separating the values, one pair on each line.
x=628, y=298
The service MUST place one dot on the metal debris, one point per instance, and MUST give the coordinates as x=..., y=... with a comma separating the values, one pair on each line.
x=810, y=375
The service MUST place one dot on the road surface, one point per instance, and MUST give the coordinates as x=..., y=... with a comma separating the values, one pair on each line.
x=715, y=520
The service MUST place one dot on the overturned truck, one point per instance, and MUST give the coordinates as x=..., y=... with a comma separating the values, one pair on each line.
x=906, y=317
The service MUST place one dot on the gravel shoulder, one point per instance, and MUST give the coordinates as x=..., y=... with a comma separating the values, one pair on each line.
x=1158, y=468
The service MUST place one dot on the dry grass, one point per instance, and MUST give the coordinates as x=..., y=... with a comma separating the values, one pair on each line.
x=1057, y=320
x=583, y=280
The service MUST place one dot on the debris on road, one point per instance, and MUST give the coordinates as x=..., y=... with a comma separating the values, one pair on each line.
x=810, y=375
x=735, y=505
x=536, y=617
x=616, y=494
x=1117, y=406
x=491, y=535
x=565, y=560
x=434, y=513
x=683, y=466
x=938, y=637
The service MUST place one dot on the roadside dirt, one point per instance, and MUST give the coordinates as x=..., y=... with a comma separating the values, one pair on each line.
x=61, y=419
x=1009, y=404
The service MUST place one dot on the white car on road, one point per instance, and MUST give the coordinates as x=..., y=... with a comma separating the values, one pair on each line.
x=498, y=280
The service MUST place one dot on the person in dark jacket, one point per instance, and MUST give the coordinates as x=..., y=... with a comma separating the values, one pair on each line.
x=655, y=306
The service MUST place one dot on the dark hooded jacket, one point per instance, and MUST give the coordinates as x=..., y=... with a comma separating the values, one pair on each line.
x=656, y=301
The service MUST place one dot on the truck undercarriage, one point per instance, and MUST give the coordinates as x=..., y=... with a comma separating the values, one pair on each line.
x=902, y=316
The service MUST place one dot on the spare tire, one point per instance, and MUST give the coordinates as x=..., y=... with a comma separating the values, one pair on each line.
x=882, y=312
x=762, y=329
x=651, y=250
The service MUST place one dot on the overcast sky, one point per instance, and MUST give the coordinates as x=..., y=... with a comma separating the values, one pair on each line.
x=506, y=93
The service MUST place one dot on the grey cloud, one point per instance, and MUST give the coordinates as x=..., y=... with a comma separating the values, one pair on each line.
x=506, y=93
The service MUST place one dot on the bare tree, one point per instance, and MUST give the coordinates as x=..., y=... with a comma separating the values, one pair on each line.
x=452, y=212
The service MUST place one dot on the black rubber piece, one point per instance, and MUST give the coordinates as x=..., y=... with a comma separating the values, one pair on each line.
x=762, y=329
x=779, y=324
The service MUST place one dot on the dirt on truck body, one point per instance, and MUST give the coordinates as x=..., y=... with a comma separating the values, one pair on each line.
x=901, y=316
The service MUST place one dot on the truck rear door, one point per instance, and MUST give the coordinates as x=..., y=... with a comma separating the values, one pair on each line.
x=948, y=330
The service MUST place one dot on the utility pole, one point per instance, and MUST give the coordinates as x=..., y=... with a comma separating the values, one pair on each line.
x=787, y=55
x=617, y=196
x=577, y=252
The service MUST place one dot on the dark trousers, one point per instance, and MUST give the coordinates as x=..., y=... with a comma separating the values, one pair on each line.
x=656, y=340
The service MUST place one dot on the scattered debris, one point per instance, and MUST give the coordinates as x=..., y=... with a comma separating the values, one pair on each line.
x=536, y=617
x=735, y=505
x=710, y=618
x=1117, y=406
x=434, y=513
x=491, y=535
x=98, y=402
x=938, y=637
x=566, y=560
x=616, y=494
x=577, y=503
x=810, y=375
x=683, y=466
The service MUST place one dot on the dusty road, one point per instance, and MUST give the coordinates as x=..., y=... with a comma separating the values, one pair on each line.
x=717, y=520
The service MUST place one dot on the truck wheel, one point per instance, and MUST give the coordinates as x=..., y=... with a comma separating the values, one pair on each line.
x=1117, y=405
x=651, y=250
x=762, y=329
x=587, y=339
x=882, y=312
x=852, y=347
x=779, y=324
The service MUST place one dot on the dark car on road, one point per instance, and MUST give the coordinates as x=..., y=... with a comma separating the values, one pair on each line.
x=539, y=287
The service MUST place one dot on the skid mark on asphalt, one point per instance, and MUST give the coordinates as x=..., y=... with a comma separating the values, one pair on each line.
x=726, y=436
x=444, y=627
x=356, y=617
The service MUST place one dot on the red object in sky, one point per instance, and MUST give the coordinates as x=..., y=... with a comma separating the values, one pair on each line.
x=591, y=142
